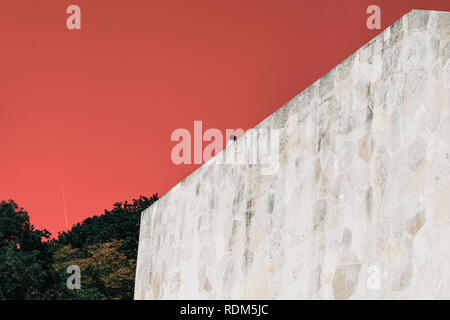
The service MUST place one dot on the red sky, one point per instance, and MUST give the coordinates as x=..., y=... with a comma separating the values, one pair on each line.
x=86, y=115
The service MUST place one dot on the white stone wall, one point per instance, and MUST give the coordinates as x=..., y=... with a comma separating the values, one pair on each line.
x=359, y=207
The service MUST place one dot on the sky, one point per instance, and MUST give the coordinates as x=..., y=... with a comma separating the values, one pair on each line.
x=86, y=116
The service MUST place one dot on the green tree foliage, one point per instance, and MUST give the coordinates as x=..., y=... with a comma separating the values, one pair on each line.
x=25, y=260
x=104, y=247
x=106, y=272
x=16, y=229
x=120, y=223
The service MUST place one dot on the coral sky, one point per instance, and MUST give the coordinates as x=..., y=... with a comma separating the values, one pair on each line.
x=86, y=115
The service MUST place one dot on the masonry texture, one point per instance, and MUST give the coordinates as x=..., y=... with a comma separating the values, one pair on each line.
x=359, y=207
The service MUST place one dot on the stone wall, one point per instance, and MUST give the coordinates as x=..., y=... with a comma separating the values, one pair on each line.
x=359, y=207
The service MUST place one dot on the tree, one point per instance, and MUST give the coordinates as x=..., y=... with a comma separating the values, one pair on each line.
x=25, y=268
x=16, y=229
x=121, y=223
x=104, y=247
x=106, y=273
